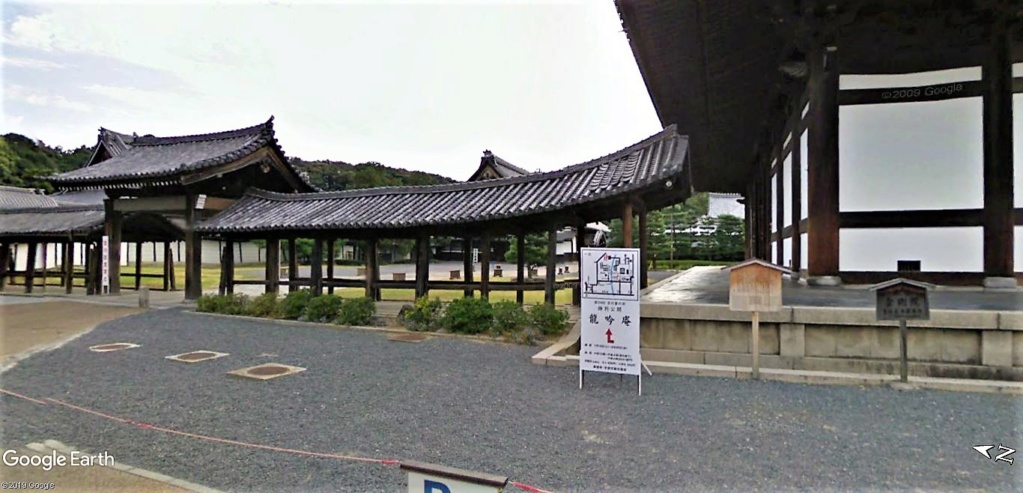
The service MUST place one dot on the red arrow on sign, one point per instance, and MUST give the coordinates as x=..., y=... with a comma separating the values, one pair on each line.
x=609, y=339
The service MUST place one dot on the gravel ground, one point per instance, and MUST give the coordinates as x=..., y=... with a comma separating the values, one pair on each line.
x=483, y=406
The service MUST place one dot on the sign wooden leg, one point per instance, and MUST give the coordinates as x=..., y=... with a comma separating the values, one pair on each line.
x=640, y=383
x=904, y=367
x=755, y=343
x=580, y=379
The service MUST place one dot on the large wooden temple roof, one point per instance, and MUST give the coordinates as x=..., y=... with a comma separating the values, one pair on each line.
x=644, y=169
x=130, y=161
x=717, y=68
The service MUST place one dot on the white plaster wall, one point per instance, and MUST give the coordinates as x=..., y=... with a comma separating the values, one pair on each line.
x=938, y=249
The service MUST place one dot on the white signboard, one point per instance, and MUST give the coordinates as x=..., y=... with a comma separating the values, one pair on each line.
x=422, y=483
x=475, y=255
x=105, y=252
x=610, y=311
x=200, y=202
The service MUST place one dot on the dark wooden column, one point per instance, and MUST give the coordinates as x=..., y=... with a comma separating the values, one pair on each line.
x=779, y=205
x=273, y=265
x=5, y=262
x=331, y=252
x=823, y=159
x=112, y=228
x=372, y=270
x=797, y=193
x=292, y=266
x=644, y=248
x=998, y=160
x=168, y=261
x=580, y=242
x=627, y=225
x=193, y=251
x=30, y=267
x=92, y=269
x=747, y=223
x=520, y=265
x=467, y=264
x=485, y=265
x=316, y=268
x=68, y=266
x=552, y=265
x=422, y=265
x=227, y=268
x=43, y=251
x=138, y=265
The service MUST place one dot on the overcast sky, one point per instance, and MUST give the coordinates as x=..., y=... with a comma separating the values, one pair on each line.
x=420, y=85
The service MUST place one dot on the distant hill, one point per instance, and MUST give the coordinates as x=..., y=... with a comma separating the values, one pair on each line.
x=23, y=159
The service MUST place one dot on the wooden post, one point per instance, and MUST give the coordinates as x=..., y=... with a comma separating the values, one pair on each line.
x=797, y=193
x=904, y=363
x=292, y=266
x=138, y=265
x=273, y=266
x=193, y=251
x=92, y=274
x=168, y=261
x=779, y=203
x=627, y=225
x=30, y=267
x=580, y=241
x=228, y=266
x=316, y=268
x=422, y=265
x=467, y=264
x=5, y=262
x=755, y=343
x=171, y=274
x=823, y=187
x=372, y=270
x=747, y=224
x=520, y=265
x=644, y=248
x=998, y=160
x=485, y=265
x=44, y=252
x=552, y=256
x=331, y=253
x=112, y=228
x=68, y=266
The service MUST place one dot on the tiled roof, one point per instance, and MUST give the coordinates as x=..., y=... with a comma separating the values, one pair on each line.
x=18, y=198
x=80, y=197
x=647, y=163
x=50, y=221
x=163, y=159
x=503, y=168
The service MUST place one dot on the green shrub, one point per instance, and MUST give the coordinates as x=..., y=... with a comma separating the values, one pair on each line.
x=263, y=305
x=423, y=316
x=548, y=320
x=529, y=336
x=509, y=317
x=230, y=304
x=293, y=305
x=357, y=311
x=468, y=316
x=323, y=308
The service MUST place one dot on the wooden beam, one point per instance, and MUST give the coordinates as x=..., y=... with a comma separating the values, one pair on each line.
x=273, y=265
x=467, y=264
x=68, y=266
x=151, y=204
x=30, y=267
x=423, y=265
x=823, y=240
x=138, y=265
x=112, y=227
x=193, y=252
x=292, y=265
x=217, y=203
x=552, y=254
x=796, y=214
x=520, y=264
x=316, y=267
x=485, y=265
x=644, y=248
x=627, y=225
x=996, y=75
x=330, y=257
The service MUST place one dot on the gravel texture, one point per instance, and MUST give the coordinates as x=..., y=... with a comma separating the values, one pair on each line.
x=485, y=407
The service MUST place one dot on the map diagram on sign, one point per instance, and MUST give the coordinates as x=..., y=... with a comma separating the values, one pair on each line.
x=610, y=275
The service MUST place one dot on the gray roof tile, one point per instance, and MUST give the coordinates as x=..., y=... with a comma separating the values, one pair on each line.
x=18, y=198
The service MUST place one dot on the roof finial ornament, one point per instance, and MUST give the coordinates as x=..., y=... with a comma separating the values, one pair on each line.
x=487, y=153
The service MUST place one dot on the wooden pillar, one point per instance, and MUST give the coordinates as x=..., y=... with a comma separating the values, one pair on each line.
x=292, y=266
x=580, y=242
x=644, y=249
x=552, y=257
x=797, y=192
x=823, y=159
x=627, y=225
x=422, y=265
x=331, y=251
x=193, y=251
x=68, y=266
x=5, y=262
x=467, y=264
x=999, y=232
x=92, y=269
x=372, y=270
x=168, y=262
x=747, y=223
x=138, y=265
x=112, y=228
x=273, y=266
x=779, y=204
x=520, y=265
x=485, y=265
x=30, y=267
x=43, y=251
x=316, y=268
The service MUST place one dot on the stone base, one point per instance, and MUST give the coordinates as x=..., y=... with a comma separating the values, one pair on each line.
x=1000, y=283
x=824, y=281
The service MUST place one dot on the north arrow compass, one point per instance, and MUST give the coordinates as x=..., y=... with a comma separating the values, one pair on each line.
x=1004, y=456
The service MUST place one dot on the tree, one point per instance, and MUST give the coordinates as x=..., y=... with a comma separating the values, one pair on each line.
x=536, y=250
x=728, y=238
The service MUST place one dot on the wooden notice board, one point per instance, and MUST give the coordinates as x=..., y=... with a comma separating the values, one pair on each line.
x=755, y=286
x=902, y=299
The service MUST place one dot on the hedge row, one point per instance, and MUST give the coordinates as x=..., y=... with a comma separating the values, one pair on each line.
x=297, y=305
x=477, y=315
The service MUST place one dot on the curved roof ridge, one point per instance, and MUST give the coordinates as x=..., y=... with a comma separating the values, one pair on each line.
x=151, y=140
x=668, y=132
x=56, y=209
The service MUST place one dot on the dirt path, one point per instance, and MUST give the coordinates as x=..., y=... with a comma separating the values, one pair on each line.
x=31, y=326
